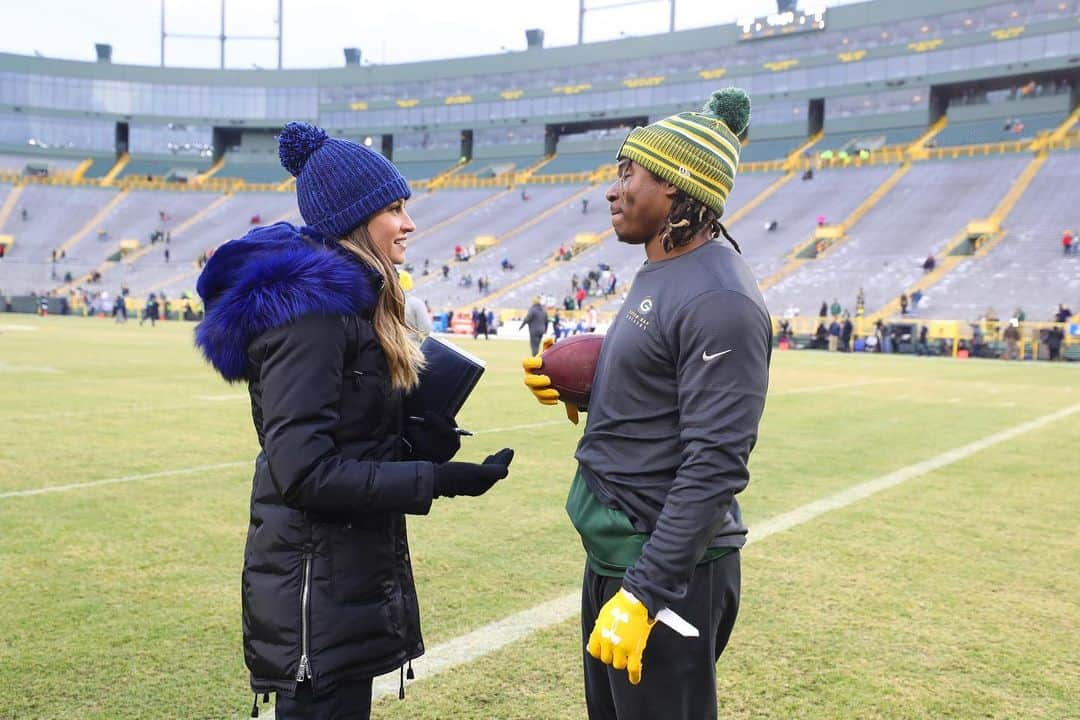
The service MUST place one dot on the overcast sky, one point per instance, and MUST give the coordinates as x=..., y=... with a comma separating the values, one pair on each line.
x=315, y=31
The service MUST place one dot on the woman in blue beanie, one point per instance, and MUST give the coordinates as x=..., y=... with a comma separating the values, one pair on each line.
x=313, y=320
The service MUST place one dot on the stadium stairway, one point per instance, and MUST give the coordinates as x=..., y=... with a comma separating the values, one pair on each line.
x=93, y=222
x=114, y=172
x=917, y=149
x=1061, y=131
x=803, y=252
x=146, y=248
x=1026, y=268
x=458, y=213
x=832, y=193
x=795, y=157
x=949, y=261
x=56, y=212
x=230, y=219
x=439, y=181
x=925, y=210
x=80, y=169
x=211, y=172
x=182, y=279
x=10, y=202
x=761, y=197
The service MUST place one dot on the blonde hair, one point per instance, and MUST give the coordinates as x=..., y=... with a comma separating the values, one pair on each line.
x=388, y=320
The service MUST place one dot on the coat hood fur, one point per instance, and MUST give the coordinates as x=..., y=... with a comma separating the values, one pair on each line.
x=269, y=278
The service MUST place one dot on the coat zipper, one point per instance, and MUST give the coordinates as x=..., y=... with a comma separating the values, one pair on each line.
x=304, y=671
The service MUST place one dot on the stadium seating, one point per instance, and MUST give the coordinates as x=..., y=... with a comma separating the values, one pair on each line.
x=624, y=260
x=500, y=214
x=577, y=162
x=254, y=168
x=487, y=167
x=886, y=248
x=423, y=169
x=100, y=166
x=995, y=130
x=17, y=163
x=217, y=221
x=868, y=139
x=161, y=167
x=769, y=149
x=433, y=210
x=795, y=208
x=1026, y=269
x=55, y=214
x=526, y=250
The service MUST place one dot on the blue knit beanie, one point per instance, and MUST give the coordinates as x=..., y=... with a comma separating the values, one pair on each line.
x=339, y=184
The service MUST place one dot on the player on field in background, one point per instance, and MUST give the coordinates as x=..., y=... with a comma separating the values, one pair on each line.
x=677, y=396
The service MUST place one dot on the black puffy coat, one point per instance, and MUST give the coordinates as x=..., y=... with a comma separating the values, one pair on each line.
x=328, y=589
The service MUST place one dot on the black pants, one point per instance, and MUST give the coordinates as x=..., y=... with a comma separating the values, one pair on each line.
x=347, y=702
x=678, y=675
x=534, y=341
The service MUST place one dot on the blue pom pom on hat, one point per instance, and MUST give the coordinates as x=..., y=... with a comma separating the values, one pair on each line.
x=339, y=183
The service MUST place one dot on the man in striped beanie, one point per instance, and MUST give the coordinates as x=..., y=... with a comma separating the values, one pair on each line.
x=677, y=395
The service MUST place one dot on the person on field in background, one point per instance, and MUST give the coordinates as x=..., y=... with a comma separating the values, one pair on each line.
x=417, y=317
x=536, y=319
x=1011, y=335
x=1054, y=337
x=151, y=311
x=313, y=320
x=673, y=415
x=480, y=323
x=834, y=335
x=120, y=308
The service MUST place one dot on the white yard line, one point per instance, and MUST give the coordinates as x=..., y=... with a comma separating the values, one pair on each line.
x=837, y=386
x=499, y=634
x=124, y=479
x=527, y=426
x=6, y=368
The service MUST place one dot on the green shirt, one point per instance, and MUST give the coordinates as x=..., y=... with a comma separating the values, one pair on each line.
x=612, y=545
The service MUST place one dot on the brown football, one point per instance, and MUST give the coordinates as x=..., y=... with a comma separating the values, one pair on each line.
x=571, y=364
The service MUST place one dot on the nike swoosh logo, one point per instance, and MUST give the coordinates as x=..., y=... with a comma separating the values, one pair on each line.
x=707, y=357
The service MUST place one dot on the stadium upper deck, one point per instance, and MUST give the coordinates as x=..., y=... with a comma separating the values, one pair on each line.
x=873, y=64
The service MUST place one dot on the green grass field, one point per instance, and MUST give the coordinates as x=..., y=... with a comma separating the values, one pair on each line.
x=952, y=595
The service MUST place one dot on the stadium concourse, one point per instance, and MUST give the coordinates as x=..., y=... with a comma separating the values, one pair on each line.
x=876, y=177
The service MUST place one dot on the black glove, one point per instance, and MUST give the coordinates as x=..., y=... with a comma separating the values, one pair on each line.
x=459, y=478
x=435, y=439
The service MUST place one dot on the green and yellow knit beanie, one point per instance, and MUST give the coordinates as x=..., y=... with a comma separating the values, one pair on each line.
x=697, y=152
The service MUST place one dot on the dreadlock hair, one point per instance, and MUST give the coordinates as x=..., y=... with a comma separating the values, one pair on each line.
x=687, y=218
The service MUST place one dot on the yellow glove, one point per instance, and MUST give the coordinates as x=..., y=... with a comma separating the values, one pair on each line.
x=540, y=385
x=619, y=636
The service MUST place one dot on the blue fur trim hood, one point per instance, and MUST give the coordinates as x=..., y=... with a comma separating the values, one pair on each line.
x=269, y=278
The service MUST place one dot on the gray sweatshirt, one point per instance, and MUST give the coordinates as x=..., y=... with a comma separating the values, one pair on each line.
x=536, y=319
x=677, y=396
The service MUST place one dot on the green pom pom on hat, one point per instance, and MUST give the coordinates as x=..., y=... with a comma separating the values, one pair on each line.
x=697, y=152
x=732, y=105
